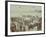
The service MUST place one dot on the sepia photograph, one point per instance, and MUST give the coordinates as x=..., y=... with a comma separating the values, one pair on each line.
x=25, y=18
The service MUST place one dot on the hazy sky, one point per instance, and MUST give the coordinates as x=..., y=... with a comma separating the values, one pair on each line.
x=19, y=10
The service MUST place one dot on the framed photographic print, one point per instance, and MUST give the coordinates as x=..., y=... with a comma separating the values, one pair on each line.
x=24, y=18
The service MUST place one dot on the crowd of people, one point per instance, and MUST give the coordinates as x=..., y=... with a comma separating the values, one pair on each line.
x=26, y=23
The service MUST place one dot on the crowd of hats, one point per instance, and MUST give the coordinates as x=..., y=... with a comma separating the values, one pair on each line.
x=26, y=23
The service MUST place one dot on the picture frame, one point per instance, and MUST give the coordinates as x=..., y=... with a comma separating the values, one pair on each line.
x=8, y=15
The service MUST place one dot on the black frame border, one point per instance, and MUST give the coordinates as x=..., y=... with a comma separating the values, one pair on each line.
x=6, y=18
